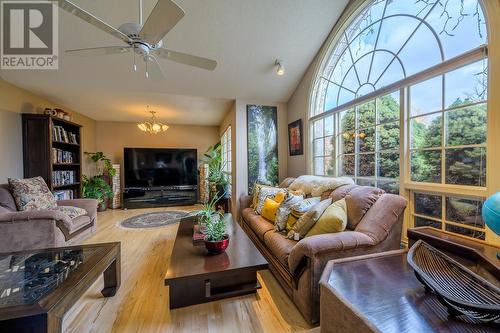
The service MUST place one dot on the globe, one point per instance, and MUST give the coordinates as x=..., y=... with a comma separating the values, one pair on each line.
x=491, y=212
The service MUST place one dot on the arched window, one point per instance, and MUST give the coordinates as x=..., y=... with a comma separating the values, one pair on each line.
x=400, y=102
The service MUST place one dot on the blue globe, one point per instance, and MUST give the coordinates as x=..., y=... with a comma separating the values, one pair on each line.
x=491, y=212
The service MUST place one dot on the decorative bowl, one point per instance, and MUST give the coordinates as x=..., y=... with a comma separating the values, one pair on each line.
x=216, y=247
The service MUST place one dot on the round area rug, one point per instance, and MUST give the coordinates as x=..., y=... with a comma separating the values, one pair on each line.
x=153, y=220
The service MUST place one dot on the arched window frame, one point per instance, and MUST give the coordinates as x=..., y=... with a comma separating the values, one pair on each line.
x=407, y=188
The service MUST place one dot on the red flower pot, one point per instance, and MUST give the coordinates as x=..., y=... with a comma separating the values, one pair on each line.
x=217, y=246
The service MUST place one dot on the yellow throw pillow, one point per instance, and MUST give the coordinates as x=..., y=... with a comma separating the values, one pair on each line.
x=307, y=221
x=279, y=197
x=334, y=219
x=269, y=210
x=292, y=219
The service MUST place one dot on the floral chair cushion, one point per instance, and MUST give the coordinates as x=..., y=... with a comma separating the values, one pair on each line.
x=72, y=212
x=32, y=194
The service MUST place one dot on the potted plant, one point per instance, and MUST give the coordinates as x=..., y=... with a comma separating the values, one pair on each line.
x=96, y=186
x=216, y=239
x=217, y=176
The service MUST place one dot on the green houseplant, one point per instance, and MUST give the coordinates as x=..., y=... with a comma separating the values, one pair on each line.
x=96, y=186
x=212, y=223
x=217, y=176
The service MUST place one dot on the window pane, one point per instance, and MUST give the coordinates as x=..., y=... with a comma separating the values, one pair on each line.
x=421, y=222
x=426, y=96
x=347, y=165
x=389, y=186
x=366, y=165
x=347, y=120
x=466, y=166
x=366, y=114
x=329, y=166
x=428, y=205
x=366, y=140
x=466, y=232
x=318, y=147
x=329, y=125
x=388, y=107
x=347, y=140
x=466, y=126
x=318, y=166
x=467, y=84
x=426, y=131
x=465, y=211
x=388, y=136
x=365, y=182
x=426, y=166
x=318, y=128
x=329, y=146
x=388, y=165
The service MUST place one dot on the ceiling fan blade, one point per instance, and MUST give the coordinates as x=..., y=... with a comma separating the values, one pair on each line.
x=105, y=50
x=186, y=59
x=162, y=19
x=88, y=17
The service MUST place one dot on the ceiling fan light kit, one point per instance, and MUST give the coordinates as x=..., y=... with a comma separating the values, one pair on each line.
x=143, y=40
x=280, y=69
x=152, y=126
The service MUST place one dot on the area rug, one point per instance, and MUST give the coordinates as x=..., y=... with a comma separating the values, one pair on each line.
x=153, y=220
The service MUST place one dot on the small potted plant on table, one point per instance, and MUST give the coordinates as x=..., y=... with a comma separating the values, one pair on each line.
x=216, y=239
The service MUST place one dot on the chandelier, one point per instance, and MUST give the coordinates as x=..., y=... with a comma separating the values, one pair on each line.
x=152, y=126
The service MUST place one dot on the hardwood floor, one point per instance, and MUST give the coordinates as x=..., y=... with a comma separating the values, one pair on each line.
x=141, y=304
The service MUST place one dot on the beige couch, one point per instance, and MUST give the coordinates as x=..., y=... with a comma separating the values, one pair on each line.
x=40, y=229
x=298, y=265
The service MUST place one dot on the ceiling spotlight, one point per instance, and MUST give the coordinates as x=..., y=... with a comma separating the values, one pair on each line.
x=280, y=69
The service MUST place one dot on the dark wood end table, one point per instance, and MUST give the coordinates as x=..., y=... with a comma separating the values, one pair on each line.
x=196, y=277
x=38, y=287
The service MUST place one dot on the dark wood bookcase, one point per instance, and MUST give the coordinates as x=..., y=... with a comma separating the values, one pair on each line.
x=41, y=141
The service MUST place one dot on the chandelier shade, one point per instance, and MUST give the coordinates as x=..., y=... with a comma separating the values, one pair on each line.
x=152, y=126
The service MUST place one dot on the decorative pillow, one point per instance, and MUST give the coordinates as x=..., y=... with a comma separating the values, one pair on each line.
x=32, y=194
x=307, y=221
x=333, y=219
x=269, y=210
x=284, y=210
x=264, y=193
x=256, y=191
x=358, y=201
x=72, y=212
x=280, y=196
x=300, y=209
x=316, y=185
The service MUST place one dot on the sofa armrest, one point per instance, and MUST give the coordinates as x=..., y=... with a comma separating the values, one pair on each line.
x=321, y=247
x=90, y=205
x=245, y=201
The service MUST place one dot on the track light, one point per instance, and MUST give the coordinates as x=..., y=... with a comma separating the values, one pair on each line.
x=280, y=69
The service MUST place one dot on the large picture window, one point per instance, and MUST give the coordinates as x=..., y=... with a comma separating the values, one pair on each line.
x=400, y=103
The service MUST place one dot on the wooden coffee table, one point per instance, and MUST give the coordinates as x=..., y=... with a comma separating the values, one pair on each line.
x=196, y=277
x=37, y=287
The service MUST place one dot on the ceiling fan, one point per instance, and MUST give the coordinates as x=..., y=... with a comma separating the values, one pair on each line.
x=145, y=40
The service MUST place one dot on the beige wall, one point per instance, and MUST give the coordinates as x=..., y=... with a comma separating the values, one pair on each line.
x=112, y=137
x=13, y=102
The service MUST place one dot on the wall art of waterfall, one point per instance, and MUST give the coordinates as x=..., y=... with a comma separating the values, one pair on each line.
x=262, y=125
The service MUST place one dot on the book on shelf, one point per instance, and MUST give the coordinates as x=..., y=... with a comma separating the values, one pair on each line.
x=61, y=135
x=64, y=177
x=64, y=195
x=61, y=156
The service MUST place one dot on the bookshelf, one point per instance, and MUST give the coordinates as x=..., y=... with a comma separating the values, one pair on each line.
x=51, y=149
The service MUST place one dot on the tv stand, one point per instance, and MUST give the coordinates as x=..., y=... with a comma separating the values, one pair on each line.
x=149, y=197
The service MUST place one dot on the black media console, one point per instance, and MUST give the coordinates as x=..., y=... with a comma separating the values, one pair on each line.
x=146, y=197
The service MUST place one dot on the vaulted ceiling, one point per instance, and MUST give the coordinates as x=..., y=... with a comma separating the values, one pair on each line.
x=244, y=36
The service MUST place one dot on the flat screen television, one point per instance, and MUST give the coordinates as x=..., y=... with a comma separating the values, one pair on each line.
x=160, y=167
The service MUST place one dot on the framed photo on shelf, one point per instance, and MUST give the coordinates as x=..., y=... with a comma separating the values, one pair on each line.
x=295, y=141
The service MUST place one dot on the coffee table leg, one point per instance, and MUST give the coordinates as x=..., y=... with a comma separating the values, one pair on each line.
x=112, y=278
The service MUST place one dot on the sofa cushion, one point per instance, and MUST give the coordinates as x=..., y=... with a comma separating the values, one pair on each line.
x=72, y=212
x=307, y=221
x=341, y=192
x=358, y=201
x=6, y=198
x=263, y=194
x=333, y=219
x=78, y=223
x=279, y=245
x=257, y=223
x=32, y=194
x=269, y=210
x=284, y=210
x=286, y=182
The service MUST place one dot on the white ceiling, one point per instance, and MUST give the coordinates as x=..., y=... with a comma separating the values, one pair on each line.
x=244, y=36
